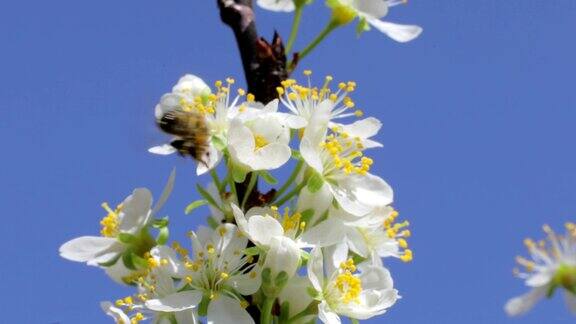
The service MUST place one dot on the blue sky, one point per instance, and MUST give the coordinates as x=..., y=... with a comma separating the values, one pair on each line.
x=478, y=116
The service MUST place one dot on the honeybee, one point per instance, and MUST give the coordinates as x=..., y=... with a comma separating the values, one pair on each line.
x=191, y=132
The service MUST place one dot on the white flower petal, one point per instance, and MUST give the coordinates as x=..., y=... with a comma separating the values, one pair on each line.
x=165, y=149
x=539, y=279
x=277, y=5
x=248, y=283
x=318, y=201
x=328, y=232
x=283, y=255
x=311, y=154
x=326, y=315
x=522, y=304
x=225, y=310
x=168, y=102
x=316, y=269
x=89, y=248
x=186, y=317
x=296, y=293
x=377, y=9
x=191, y=85
x=262, y=229
x=175, y=302
x=270, y=157
x=399, y=33
x=135, y=211
x=360, y=194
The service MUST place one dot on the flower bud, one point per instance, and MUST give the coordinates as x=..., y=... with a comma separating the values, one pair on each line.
x=283, y=256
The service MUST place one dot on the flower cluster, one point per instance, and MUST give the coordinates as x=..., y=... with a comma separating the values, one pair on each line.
x=552, y=266
x=312, y=247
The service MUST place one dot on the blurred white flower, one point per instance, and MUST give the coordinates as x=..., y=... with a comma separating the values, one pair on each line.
x=129, y=218
x=345, y=292
x=553, y=266
x=219, y=273
x=277, y=5
x=369, y=13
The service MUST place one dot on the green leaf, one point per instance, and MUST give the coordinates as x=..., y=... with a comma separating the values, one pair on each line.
x=212, y=222
x=268, y=177
x=207, y=196
x=139, y=262
x=163, y=235
x=551, y=290
x=127, y=238
x=315, y=182
x=193, y=205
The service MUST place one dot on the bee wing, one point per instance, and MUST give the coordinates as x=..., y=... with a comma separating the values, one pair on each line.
x=162, y=149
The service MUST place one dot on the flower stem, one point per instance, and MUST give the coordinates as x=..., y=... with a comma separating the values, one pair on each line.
x=266, y=312
x=216, y=179
x=231, y=182
x=291, y=194
x=325, y=32
x=251, y=184
x=295, y=25
x=290, y=180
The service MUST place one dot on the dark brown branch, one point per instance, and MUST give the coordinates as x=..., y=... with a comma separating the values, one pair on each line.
x=264, y=63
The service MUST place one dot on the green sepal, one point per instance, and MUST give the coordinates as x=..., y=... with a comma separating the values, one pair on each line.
x=203, y=306
x=253, y=250
x=193, y=205
x=284, y=312
x=304, y=258
x=358, y=258
x=313, y=292
x=110, y=263
x=160, y=223
x=128, y=260
x=238, y=174
x=219, y=143
x=362, y=26
x=126, y=238
x=315, y=182
x=269, y=178
x=212, y=222
x=207, y=196
x=281, y=280
x=163, y=235
x=266, y=276
x=307, y=215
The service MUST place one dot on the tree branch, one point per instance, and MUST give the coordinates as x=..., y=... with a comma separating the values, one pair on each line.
x=264, y=63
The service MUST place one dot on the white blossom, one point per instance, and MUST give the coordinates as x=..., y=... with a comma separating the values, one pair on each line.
x=553, y=265
x=130, y=217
